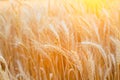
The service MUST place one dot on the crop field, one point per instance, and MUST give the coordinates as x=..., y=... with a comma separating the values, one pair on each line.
x=59, y=39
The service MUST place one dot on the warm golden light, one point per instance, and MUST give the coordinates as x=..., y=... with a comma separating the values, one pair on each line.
x=95, y=6
x=95, y=3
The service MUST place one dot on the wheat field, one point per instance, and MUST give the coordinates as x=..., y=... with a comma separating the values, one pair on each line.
x=59, y=40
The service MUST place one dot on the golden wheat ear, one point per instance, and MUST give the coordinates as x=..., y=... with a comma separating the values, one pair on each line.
x=3, y=69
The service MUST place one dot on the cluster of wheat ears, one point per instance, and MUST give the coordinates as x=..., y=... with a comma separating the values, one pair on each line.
x=60, y=40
